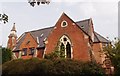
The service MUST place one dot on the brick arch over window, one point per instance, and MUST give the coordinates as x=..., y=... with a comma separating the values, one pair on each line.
x=66, y=47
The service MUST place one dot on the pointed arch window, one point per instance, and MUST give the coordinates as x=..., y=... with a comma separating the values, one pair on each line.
x=65, y=47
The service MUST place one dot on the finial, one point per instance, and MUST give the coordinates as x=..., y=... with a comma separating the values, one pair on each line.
x=13, y=28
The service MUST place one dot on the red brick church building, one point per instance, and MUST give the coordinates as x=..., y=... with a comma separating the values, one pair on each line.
x=77, y=40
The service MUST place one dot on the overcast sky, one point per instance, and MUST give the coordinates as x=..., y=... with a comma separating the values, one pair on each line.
x=27, y=18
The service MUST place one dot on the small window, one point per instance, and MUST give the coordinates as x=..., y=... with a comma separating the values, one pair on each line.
x=82, y=27
x=31, y=51
x=28, y=42
x=24, y=51
x=64, y=24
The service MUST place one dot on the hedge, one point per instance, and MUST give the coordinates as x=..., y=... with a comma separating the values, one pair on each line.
x=54, y=67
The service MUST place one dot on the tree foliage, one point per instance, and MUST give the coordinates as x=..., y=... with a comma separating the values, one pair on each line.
x=113, y=52
x=3, y=18
x=58, y=53
x=45, y=67
x=6, y=55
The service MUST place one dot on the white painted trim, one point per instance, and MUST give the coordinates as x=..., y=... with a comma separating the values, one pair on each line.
x=20, y=37
x=44, y=53
x=62, y=23
x=41, y=35
x=14, y=56
x=37, y=39
x=20, y=53
x=35, y=52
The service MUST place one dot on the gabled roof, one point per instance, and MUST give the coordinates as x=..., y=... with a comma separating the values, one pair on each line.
x=19, y=41
x=84, y=24
x=76, y=24
x=42, y=34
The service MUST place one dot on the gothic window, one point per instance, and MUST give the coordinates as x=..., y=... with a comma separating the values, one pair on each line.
x=65, y=47
x=64, y=24
x=68, y=50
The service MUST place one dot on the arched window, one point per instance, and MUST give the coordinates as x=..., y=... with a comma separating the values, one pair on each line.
x=65, y=47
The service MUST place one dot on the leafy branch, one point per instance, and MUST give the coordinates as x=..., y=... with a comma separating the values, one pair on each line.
x=3, y=18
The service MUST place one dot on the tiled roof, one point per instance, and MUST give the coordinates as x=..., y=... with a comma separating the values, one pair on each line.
x=84, y=24
x=99, y=38
x=19, y=41
x=42, y=34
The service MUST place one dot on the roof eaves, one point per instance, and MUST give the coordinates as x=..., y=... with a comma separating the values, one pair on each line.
x=83, y=20
x=20, y=37
x=96, y=36
x=40, y=29
x=103, y=38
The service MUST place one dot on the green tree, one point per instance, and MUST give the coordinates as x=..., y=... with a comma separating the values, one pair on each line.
x=6, y=55
x=58, y=52
x=113, y=52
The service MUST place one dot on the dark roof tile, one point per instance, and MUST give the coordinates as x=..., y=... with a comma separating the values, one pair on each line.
x=99, y=38
x=35, y=34
x=84, y=24
x=43, y=33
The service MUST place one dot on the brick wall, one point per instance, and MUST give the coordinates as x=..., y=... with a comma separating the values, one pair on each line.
x=32, y=43
x=40, y=52
x=98, y=52
x=79, y=44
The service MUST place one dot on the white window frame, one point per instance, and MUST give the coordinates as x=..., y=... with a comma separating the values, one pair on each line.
x=63, y=22
x=65, y=43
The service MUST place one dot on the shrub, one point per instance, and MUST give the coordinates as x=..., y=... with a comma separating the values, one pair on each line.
x=54, y=67
x=6, y=55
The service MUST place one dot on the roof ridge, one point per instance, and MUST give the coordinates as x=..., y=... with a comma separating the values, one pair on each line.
x=39, y=29
x=83, y=20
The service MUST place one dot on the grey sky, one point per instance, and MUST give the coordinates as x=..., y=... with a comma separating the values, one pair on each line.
x=27, y=18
